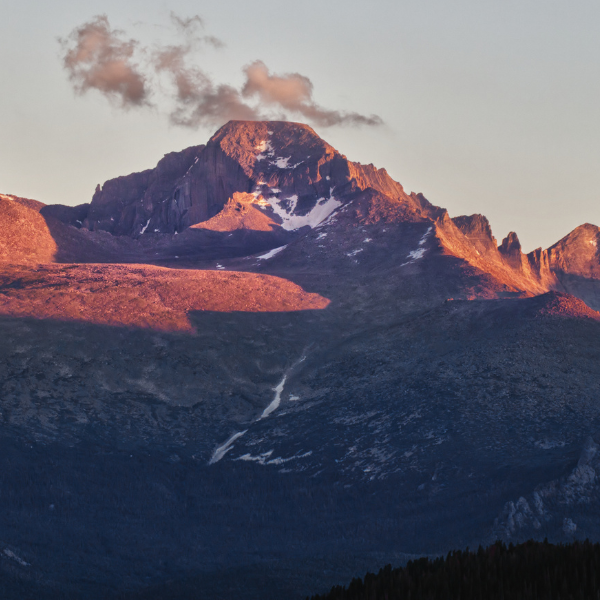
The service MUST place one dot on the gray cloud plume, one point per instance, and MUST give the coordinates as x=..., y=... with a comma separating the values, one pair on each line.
x=187, y=23
x=293, y=92
x=197, y=100
x=97, y=57
x=189, y=27
x=215, y=105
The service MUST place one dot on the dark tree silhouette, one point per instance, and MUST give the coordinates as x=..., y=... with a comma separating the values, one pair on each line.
x=529, y=571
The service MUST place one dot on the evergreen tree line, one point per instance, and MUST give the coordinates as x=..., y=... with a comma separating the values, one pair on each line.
x=532, y=570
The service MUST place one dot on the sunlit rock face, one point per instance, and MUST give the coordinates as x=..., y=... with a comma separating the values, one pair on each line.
x=25, y=236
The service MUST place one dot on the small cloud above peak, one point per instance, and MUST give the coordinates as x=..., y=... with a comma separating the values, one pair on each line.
x=98, y=57
x=187, y=23
x=293, y=92
x=101, y=58
x=189, y=26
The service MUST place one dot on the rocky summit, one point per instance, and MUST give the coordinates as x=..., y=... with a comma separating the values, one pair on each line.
x=260, y=369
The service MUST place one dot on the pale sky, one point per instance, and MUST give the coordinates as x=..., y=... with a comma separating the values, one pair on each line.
x=489, y=106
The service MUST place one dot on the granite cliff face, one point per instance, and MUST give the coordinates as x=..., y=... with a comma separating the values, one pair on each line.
x=120, y=205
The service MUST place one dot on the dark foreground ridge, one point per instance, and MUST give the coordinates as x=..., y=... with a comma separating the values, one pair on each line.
x=532, y=570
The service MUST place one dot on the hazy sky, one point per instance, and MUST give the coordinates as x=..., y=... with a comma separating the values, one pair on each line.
x=488, y=106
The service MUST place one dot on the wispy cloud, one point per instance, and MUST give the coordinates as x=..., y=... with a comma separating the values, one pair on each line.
x=294, y=93
x=190, y=26
x=99, y=57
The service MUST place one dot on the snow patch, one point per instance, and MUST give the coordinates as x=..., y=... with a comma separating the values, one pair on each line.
x=367, y=240
x=355, y=252
x=195, y=161
x=261, y=459
x=271, y=253
x=294, y=398
x=145, y=227
x=321, y=236
x=419, y=252
x=264, y=459
x=416, y=254
x=425, y=236
x=284, y=163
x=16, y=558
x=276, y=401
x=321, y=211
x=549, y=444
x=280, y=461
x=264, y=149
x=220, y=266
x=221, y=451
x=281, y=162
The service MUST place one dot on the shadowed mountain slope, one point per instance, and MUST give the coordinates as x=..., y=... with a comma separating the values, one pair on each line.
x=303, y=372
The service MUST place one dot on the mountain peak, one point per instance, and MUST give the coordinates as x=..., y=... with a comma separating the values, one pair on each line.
x=241, y=129
x=475, y=227
x=510, y=245
x=267, y=145
x=286, y=166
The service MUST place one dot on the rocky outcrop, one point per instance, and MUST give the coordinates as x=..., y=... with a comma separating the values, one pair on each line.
x=70, y=215
x=510, y=249
x=242, y=211
x=554, y=508
x=573, y=264
x=476, y=228
x=577, y=253
x=470, y=238
x=26, y=237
